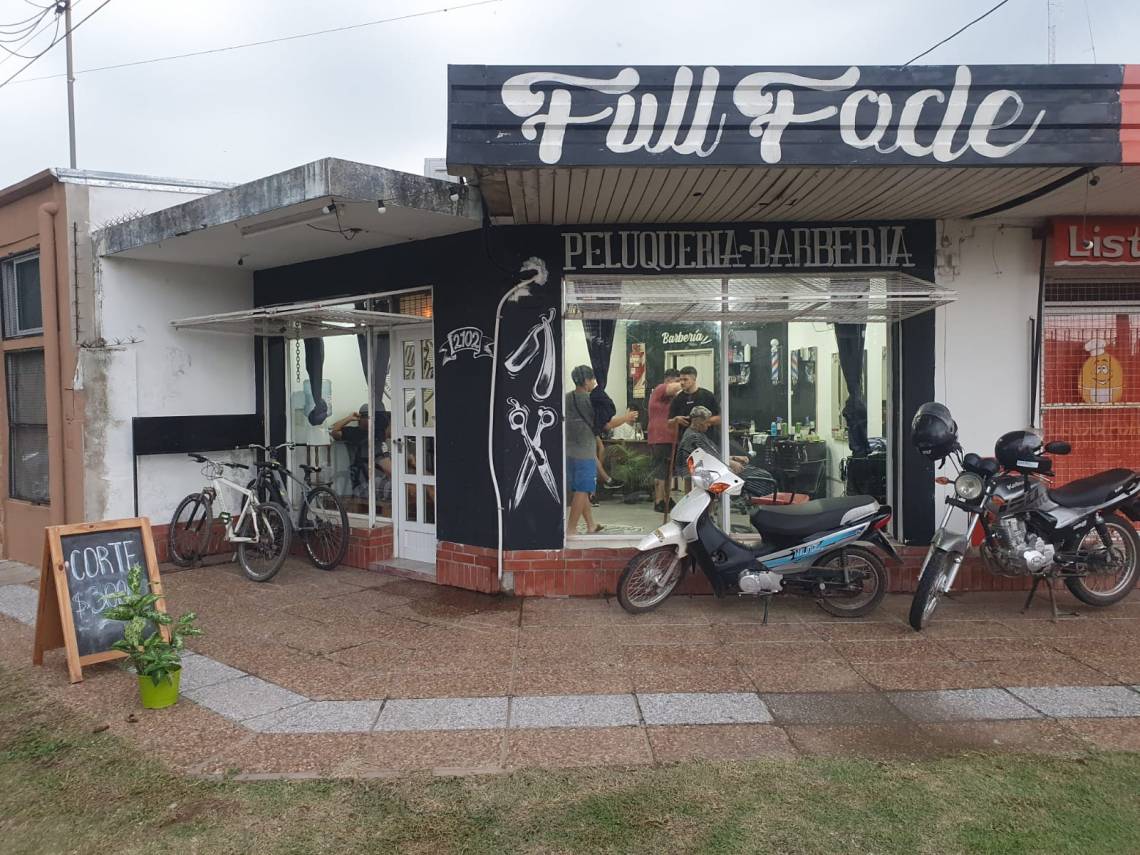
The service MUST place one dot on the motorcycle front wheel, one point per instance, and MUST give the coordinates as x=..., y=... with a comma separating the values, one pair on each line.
x=930, y=589
x=649, y=579
x=1105, y=588
x=863, y=588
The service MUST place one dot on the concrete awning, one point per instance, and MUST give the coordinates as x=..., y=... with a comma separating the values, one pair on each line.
x=300, y=320
x=325, y=208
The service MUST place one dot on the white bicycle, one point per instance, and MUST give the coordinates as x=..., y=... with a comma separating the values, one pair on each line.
x=261, y=530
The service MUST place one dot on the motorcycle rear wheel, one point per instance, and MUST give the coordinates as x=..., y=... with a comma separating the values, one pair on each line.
x=649, y=579
x=929, y=589
x=860, y=560
x=1123, y=580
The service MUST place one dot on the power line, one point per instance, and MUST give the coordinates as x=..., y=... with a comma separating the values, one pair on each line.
x=54, y=42
x=985, y=14
x=1092, y=41
x=268, y=41
x=14, y=52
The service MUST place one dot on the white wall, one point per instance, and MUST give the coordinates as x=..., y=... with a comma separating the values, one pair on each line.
x=982, y=341
x=575, y=353
x=166, y=372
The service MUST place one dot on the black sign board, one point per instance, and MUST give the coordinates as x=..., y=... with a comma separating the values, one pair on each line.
x=992, y=115
x=84, y=565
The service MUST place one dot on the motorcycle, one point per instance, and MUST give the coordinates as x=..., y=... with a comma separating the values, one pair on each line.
x=827, y=548
x=1081, y=532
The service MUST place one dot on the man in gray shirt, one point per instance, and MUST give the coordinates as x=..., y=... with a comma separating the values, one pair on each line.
x=581, y=449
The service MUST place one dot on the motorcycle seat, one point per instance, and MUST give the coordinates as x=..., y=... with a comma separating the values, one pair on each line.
x=809, y=517
x=1093, y=490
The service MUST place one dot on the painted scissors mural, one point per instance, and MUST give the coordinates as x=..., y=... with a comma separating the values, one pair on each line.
x=518, y=417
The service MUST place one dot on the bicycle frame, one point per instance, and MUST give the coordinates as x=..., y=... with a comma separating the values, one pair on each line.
x=235, y=523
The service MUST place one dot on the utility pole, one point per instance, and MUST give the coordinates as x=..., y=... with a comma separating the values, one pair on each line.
x=65, y=7
x=1051, y=10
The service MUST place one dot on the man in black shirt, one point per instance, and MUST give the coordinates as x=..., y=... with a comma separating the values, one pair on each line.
x=692, y=395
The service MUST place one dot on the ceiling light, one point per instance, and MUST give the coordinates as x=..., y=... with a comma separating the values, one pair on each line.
x=380, y=209
x=284, y=222
x=454, y=195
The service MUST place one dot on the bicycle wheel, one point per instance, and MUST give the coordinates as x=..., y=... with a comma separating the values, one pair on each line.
x=189, y=533
x=262, y=560
x=323, y=527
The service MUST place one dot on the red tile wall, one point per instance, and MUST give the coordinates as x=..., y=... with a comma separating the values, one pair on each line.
x=365, y=546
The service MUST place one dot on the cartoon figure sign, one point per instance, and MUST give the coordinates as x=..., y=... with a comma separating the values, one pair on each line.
x=1102, y=378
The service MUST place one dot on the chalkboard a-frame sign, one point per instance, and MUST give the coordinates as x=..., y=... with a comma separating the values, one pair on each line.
x=83, y=565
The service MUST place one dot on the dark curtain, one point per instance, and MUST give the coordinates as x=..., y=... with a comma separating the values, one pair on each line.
x=381, y=356
x=850, y=339
x=315, y=368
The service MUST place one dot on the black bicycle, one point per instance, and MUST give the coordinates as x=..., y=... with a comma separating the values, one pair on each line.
x=321, y=523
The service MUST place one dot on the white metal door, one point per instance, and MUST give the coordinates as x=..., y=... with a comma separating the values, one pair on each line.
x=413, y=442
x=702, y=360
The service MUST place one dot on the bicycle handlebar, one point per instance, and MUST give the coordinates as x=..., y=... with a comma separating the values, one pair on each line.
x=258, y=447
x=200, y=459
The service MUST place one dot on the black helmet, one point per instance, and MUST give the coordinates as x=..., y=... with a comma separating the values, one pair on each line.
x=1021, y=450
x=933, y=431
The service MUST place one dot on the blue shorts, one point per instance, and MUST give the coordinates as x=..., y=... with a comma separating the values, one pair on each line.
x=582, y=474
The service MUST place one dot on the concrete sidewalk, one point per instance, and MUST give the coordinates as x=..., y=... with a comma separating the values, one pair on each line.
x=353, y=673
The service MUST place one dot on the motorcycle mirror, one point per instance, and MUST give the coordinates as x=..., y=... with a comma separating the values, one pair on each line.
x=1058, y=447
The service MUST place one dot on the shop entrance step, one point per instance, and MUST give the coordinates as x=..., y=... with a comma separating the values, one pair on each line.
x=423, y=571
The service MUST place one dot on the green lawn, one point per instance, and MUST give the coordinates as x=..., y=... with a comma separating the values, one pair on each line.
x=66, y=789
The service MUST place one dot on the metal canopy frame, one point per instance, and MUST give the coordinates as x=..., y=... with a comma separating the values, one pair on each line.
x=772, y=297
x=316, y=319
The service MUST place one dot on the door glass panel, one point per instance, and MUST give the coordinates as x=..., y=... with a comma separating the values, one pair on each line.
x=427, y=348
x=428, y=466
x=410, y=455
x=409, y=360
x=429, y=504
x=410, y=503
x=410, y=408
x=429, y=408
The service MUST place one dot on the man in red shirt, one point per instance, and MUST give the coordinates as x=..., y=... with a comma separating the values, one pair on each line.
x=661, y=437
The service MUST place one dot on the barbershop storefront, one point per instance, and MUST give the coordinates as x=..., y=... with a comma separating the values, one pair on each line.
x=797, y=243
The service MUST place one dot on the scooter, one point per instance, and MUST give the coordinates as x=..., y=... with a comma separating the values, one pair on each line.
x=830, y=549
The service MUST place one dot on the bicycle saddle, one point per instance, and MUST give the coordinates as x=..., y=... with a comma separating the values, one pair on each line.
x=311, y=470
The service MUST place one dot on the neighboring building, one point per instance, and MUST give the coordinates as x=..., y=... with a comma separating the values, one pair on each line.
x=798, y=240
x=51, y=314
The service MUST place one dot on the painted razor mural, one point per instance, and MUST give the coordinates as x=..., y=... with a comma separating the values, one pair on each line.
x=951, y=115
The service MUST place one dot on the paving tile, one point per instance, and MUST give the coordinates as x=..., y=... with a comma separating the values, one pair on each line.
x=719, y=742
x=1041, y=736
x=1005, y=650
x=749, y=653
x=969, y=630
x=199, y=671
x=573, y=711
x=874, y=741
x=572, y=681
x=444, y=714
x=320, y=717
x=287, y=753
x=637, y=634
x=1109, y=734
x=910, y=650
x=961, y=705
x=1054, y=670
x=1081, y=701
x=649, y=656
x=820, y=708
x=451, y=751
x=703, y=708
x=449, y=684
x=1124, y=670
x=613, y=746
x=19, y=602
x=895, y=676
x=245, y=697
x=672, y=679
x=863, y=630
x=806, y=677
x=16, y=572
x=730, y=633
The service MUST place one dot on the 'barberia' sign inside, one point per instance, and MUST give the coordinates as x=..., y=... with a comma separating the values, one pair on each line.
x=816, y=115
x=1096, y=240
x=816, y=246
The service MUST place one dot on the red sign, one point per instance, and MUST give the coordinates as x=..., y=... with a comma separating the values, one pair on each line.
x=1096, y=240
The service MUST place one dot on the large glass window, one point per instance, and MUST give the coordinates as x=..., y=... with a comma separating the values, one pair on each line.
x=27, y=426
x=770, y=398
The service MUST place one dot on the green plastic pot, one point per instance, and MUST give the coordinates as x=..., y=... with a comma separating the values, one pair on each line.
x=165, y=694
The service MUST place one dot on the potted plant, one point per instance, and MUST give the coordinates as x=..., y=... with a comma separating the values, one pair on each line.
x=156, y=657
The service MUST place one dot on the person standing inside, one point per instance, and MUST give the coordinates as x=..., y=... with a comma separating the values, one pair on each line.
x=661, y=435
x=692, y=395
x=581, y=449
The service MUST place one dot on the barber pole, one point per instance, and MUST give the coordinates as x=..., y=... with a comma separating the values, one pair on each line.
x=793, y=367
x=775, y=361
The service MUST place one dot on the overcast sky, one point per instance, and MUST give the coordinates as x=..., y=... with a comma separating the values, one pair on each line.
x=378, y=94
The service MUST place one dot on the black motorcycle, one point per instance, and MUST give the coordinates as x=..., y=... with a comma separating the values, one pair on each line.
x=1081, y=533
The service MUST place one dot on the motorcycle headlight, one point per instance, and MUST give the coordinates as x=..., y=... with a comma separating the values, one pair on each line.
x=969, y=486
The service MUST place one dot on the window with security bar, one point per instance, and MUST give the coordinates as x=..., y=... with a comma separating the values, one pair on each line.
x=21, y=309
x=418, y=303
x=27, y=426
x=786, y=374
x=1090, y=374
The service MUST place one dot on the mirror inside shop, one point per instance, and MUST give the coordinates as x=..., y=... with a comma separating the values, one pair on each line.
x=794, y=430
